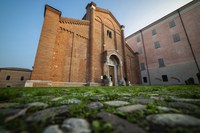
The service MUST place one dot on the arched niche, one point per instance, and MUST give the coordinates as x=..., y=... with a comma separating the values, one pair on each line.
x=109, y=24
x=99, y=19
x=114, y=67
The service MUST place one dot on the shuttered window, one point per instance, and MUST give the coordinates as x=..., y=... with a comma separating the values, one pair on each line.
x=138, y=39
x=172, y=24
x=154, y=32
x=142, y=65
x=176, y=38
x=161, y=62
x=140, y=50
x=157, y=44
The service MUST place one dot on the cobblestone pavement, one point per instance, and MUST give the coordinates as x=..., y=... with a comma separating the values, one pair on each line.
x=97, y=112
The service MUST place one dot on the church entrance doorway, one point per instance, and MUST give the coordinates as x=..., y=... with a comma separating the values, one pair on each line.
x=113, y=69
x=112, y=74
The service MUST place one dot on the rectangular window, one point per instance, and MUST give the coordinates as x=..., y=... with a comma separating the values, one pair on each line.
x=154, y=32
x=142, y=65
x=109, y=33
x=145, y=79
x=164, y=78
x=157, y=44
x=161, y=62
x=176, y=37
x=140, y=50
x=172, y=24
x=22, y=78
x=138, y=39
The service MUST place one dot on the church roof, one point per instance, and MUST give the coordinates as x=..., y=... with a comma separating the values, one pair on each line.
x=16, y=69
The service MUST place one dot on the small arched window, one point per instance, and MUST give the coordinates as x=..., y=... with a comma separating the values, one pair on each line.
x=109, y=33
x=22, y=78
x=8, y=77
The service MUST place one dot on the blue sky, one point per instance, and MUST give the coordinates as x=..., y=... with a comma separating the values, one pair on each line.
x=21, y=22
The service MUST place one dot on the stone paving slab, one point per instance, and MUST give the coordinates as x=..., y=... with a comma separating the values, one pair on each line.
x=117, y=103
x=47, y=113
x=93, y=108
x=52, y=129
x=168, y=109
x=142, y=100
x=37, y=104
x=95, y=105
x=8, y=105
x=9, y=112
x=76, y=125
x=183, y=105
x=173, y=120
x=120, y=125
x=186, y=99
x=132, y=108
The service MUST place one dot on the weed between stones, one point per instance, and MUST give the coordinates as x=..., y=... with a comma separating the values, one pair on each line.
x=88, y=102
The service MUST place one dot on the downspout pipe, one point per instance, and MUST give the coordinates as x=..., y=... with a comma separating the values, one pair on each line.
x=145, y=58
x=188, y=39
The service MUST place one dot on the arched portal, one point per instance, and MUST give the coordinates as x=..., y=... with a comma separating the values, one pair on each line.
x=113, y=69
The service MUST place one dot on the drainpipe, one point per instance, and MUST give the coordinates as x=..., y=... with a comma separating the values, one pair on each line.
x=188, y=39
x=145, y=58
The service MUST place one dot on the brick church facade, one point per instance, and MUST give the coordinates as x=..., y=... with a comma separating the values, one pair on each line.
x=75, y=52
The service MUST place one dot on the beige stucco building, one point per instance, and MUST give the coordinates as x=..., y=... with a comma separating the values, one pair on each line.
x=14, y=77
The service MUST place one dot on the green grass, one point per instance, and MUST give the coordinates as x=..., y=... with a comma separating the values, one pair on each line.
x=46, y=94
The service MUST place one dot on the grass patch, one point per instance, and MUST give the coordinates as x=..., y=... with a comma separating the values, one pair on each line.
x=85, y=94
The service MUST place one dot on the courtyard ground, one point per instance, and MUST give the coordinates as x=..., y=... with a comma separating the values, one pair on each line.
x=131, y=109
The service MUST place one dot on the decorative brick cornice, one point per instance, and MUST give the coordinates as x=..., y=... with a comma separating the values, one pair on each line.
x=71, y=32
x=81, y=36
x=74, y=21
x=64, y=29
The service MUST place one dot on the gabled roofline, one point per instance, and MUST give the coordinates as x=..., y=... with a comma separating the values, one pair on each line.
x=16, y=69
x=108, y=12
x=52, y=9
x=101, y=10
x=135, y=53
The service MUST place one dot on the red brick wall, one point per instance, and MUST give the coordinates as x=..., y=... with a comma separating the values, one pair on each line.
x=42, y=66
x=132, y=67
x=64, y=47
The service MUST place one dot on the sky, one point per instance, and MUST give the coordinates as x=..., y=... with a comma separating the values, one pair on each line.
x=21, y=22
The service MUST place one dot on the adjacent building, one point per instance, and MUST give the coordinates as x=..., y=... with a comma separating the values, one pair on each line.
x=169, y=49
x=14, y=77
x=75, y=52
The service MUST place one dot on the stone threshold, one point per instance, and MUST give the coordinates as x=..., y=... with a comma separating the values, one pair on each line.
x=43, y=83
